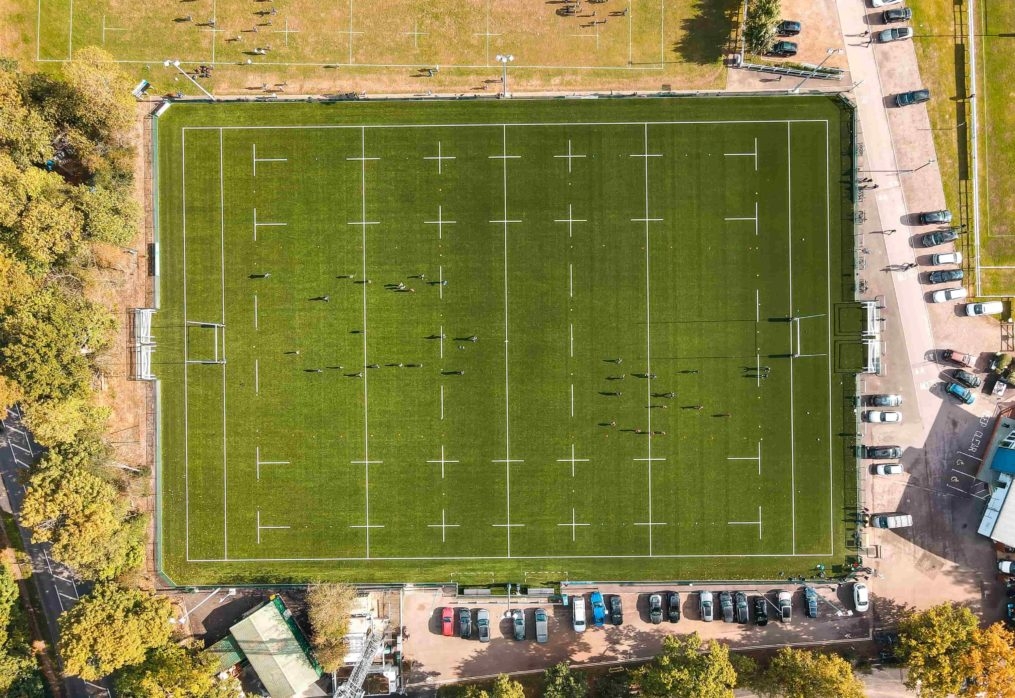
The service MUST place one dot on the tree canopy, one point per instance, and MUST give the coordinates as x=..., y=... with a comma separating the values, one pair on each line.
x=759, y=27
x=989, y=666
x=803, y=674
x=560, y=682
x=932, y=643
x=328, y=607
x=683, y=670
x=173, y=670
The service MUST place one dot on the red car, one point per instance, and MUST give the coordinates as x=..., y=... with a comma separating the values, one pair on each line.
x=448, y=621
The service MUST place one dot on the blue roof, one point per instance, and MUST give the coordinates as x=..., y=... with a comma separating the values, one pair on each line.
x=1004, y=461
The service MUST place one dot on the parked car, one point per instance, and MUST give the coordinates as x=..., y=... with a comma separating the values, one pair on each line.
x=783, y=49
x=673, y=607
x=655, y=609
x=861, y=597
x=519, y=624
x=942, y=215
x=1006, y=567
x=882, y=416
x=578, y=613
x=812, y=602
x=788, y=27
x=942, y=275
x=1009, y=614
x=949, y=294
x=895, y=520
x=895, y=34
x=542, y=626
x=905, y=99
x=598, y=610
x=616, y=610
x=882, y=452
x=888, y=469
x=464, y=623
x=960, y=392
x=985, y=308
x=743, y=612
x=957, y=357
x=726, y=604
x=448, y=621
x=706, y=605
x=785, y=605
x=897, y=14
x=483, y=625
x=946, y=258
x=883, y=3
x=886, y=400
x=760, y=610
x=967, y=378
x=940, y=237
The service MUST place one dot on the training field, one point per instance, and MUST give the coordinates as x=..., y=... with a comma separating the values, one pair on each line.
x=504, y=340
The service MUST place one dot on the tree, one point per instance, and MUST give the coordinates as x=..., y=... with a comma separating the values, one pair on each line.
x=170, y=671
x=89, y=525
x=99, y=100
x=63, y=421
x=803, y=674
x=328, y=607
x=759, y=27
x=16, y=663
x=24, y=133
x=989, y=667
x=932, y=644
x=682, y=670
x=110, y=215
x=559, y=682
x=111, y=628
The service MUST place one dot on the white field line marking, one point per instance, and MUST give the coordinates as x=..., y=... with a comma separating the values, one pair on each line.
x=440, y=282
x=757, y=305
x=256, y=159
x=749, y=523
x=570, y=220
x=286, y=31
x=572, y=460
x=630, y=35
x=517, y=557
x=570, y=328
x=70, y=32
x=574, y=524
x=442, y=403
x=443, y=460
x=662, y=32
x=440, y=222
x=752, y=154
x=507, y=383
x=439, y=158
x=255, y=312
x=792, y=414
x=570, y=280
x=415, y=34
x=755, y=458
x=443, y=526
x=593, y=35
x=258, y=462
x=261, y=224
x=186, y=362
x=38, y=30
x=442, y=341
x=265, y=528
x=756, y=152
x=572, y=399
x=257, y=377
x=315, y=127
x=757, y=368
x=366, y=394
x=648, y=333
x=222, y=275
x=487, y=36
x=828, y=310
x=570, y=156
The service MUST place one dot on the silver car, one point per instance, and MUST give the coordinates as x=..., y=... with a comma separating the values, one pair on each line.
x=895, y=34
x=542, y=626
x=483, y=625
x=706, y=604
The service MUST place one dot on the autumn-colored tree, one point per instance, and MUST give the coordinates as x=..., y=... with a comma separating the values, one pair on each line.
x=100, y=102
x=989, y=666
x=328, y=608
x=25, y=134
x=16, y=662
x=111, y=628
x=110, y=215
x=804, y=674
x=932, y=644
x=172, y=671
x=682, y=670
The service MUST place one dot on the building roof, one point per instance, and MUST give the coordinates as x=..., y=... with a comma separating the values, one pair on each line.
x=227, y=652
x=276, y=650
x=998, y=522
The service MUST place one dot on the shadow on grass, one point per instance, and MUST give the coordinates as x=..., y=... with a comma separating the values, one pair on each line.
x=709, y=32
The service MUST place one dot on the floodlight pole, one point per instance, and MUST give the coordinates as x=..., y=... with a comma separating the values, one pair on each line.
x=184, y=73
x=828, y=54
x=504, y=59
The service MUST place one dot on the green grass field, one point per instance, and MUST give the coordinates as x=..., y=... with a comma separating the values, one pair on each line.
x=568, y=384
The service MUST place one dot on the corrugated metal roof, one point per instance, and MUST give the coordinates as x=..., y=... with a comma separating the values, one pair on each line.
x=227, y=653
x=274, y=652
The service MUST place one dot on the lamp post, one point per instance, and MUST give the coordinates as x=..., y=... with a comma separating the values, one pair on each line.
x=504, y=59
x=909, y=171
x=828, y=54
x=184, y=73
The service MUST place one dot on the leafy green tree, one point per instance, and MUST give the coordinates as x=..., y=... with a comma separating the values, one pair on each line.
x=110, y=215
x=803, y=674
x=63, y=421
x=111, y=628
x=682, y=670
x=989, y=667
x=89, y=525
x=932, y=644
x=170, y=671
x=759, y=27
x=559, y=682
x=16, y=663
x=328, y=608
x=99, y=100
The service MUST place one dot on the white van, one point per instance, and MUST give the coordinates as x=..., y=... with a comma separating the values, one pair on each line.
x=985, y=308
x=578, y=613
x=891, y=520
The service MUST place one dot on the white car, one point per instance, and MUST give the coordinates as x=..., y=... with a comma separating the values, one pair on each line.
x=948, y=294
x=1006, y=567
x=888, y=469
x=861, y=597
x=946, y=258
x=883, y=3
x=986, y=308
x=883, y=416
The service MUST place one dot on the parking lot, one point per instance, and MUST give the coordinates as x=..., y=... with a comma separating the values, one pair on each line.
x=437, y=659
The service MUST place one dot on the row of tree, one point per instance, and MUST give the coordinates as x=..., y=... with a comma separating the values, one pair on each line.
x=759, y=26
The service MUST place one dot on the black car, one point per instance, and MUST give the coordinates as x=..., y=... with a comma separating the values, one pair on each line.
x=726, y=603
x=760, y=610
x=940, y=237
x=1009, y=613
x=743, y=612
x=783, y=49
x=899, y=14
x=788, y=27
x=940, y=216
x=464, y=623
x=655, y=608
x=967, y=378
x=616, y=610
x=905, y=99
x=673, y=607
x=943, y=275
x=879, y=452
